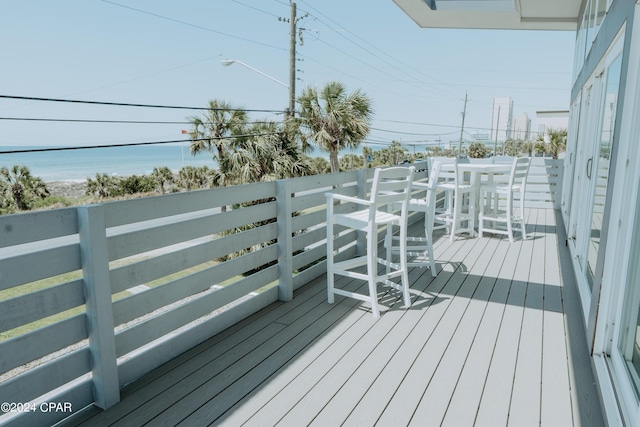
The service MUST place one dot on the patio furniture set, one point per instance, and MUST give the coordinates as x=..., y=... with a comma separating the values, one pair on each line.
x=490, y=195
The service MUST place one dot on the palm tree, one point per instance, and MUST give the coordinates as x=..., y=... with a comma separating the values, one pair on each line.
x=214, y=129
x=557, y=141
x=333, y=119
x=162, y=176
x=266, y=154
x=103, y=186
x=350, y=162
x=191, y=177
x=17, y=185
x=477, y=150
x=319, y=165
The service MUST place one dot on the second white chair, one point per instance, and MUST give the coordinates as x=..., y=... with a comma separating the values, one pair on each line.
x=502, y=210
x=420, y=249
x=391, y=186
x=459, y=202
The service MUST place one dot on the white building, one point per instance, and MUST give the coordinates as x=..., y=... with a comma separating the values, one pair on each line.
x=601, y=189
x=501, y=118
x=521, y=128
x=551, y=120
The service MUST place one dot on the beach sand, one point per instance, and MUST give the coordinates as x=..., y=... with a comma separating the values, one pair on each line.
x=68, y=189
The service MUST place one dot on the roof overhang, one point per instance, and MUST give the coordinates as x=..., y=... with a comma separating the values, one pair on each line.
x=494, y=14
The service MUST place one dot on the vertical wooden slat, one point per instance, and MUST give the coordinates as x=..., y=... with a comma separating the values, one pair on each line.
x=362, y=194
x=95, y=270
x=285, y=241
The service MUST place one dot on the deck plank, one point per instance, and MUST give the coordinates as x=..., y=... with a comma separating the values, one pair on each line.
x=496, y=397
x=525, y=402
x=438, y=325
x=556, y=391
x=436, y=398
x=466, y=397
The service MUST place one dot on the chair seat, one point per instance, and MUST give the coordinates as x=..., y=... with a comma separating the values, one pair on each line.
x=500, y=188
x=360, y=220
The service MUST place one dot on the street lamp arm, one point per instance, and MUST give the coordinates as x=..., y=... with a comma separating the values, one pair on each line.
x=227, y=62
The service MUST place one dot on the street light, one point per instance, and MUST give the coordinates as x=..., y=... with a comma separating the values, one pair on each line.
x=227, y=62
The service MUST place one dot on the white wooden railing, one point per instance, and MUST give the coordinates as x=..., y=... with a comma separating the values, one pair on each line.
x=94, y=297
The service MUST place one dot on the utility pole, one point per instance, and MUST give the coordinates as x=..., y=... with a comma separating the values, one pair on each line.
x=495, y=146
x=293, y=21
x=464, y=113
x=292, y=61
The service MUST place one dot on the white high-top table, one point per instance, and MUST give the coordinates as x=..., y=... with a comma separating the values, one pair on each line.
x=476, y=171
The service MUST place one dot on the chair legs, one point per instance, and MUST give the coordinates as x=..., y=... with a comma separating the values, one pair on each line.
x=457, y=215
x=371, y=262
x=495, y=216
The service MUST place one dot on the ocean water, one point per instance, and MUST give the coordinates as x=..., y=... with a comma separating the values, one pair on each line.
x=78, y=165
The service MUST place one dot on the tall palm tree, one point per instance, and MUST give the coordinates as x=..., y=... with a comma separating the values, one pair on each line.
x=333, y=119
x=17, y=185
x=215, y=129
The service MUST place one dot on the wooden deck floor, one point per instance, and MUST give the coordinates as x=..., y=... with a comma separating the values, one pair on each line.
x=495, y=339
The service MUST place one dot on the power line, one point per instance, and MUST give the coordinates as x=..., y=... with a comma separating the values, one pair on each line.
x=132, y=144
x=122, y=104
x=145, y=122
x=192, y=25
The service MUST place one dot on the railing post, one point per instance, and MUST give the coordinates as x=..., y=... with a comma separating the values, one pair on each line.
x=557, y=205
x=362, y=194
x=285, y=240
x=97, y=288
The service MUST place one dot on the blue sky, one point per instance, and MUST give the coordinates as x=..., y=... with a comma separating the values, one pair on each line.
x=169, y=52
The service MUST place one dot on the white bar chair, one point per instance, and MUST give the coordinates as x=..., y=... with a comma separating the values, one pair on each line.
x=391, y=186
x=420, y=249
x=502, y=210
x=460, y=196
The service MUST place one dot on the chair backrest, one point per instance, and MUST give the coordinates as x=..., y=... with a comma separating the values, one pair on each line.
x=503, y=159
x=448, y=169
x=434, y=175
x=519, y=171
x=392, y=185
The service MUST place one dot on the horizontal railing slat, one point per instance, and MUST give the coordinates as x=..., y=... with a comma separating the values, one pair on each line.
x=172, y=345
x=41, y=342
x=303, y=222
x=34, y=306
x=155, y=298
x=20, y=229
x=147, y=270
x=49, y=376
x=79, y=393
x=150, y=208
x=20, y=269
x=309, y=256
x=132, y=338
x=147, y=239
x=309, y=238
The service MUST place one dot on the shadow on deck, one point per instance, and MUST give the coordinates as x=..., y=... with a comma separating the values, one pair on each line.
x=496, y=338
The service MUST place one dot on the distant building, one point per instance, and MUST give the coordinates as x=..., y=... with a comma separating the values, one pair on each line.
x=521, y=128
x=501, y=118
x=547, y=120
x=480, y=136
